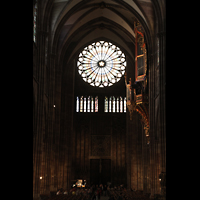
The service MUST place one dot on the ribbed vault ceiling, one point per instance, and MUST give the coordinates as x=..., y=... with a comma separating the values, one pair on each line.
x=83, y=21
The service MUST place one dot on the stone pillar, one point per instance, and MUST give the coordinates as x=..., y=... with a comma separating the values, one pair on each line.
x=157, y=116
x=38, y=162
x=152, y=121
x=145, y=163
x=163, y=114
x=129, y=131
x=58, y=172
x=139, y=154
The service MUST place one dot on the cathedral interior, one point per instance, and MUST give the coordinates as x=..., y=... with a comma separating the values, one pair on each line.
x=99, y=94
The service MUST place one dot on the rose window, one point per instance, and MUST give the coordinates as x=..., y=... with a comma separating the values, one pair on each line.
x=101, y=64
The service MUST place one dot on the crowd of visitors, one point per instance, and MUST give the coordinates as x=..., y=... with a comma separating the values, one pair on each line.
x=95, y=192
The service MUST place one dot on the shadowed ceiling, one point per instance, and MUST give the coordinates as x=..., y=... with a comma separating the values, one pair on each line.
x=83, y=21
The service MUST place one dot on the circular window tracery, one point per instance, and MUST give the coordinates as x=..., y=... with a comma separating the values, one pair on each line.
x=101, y=64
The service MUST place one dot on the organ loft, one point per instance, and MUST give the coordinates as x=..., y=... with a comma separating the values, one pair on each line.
x=99, y=95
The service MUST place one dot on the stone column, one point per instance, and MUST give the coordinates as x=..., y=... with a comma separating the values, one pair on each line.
x=129, y=130
x=163, y=113
x=152, y=121
x=40, y=119
x=133, y=152
x=52, y=111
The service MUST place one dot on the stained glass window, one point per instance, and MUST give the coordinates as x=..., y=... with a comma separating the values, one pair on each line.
x=106, y=104
x=157, y=50
x=88, y=107
x=92, y=104
x=124, y=104
x=34, y=21
x=81, y=104
x=77, y=104
x=117, y=104
x=110, y=104
x=113, y=104
x=96, y=104
x=121, y=104
x=87, y=104
x=84, y=104
x=101, y=64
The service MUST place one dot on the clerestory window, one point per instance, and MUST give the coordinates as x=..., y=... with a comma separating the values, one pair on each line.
x=112, y=104
x=87, y=104
x=115, y=104
x=34, y=21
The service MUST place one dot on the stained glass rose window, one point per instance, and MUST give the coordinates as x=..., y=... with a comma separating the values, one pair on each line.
x=101, y=64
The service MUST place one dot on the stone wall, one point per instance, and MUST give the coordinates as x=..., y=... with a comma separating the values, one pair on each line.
x=99, y=136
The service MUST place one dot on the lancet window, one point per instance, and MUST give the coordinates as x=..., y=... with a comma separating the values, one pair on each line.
x=106, y=104
x=87, y=104
x=115, y=104
x=34, y=21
